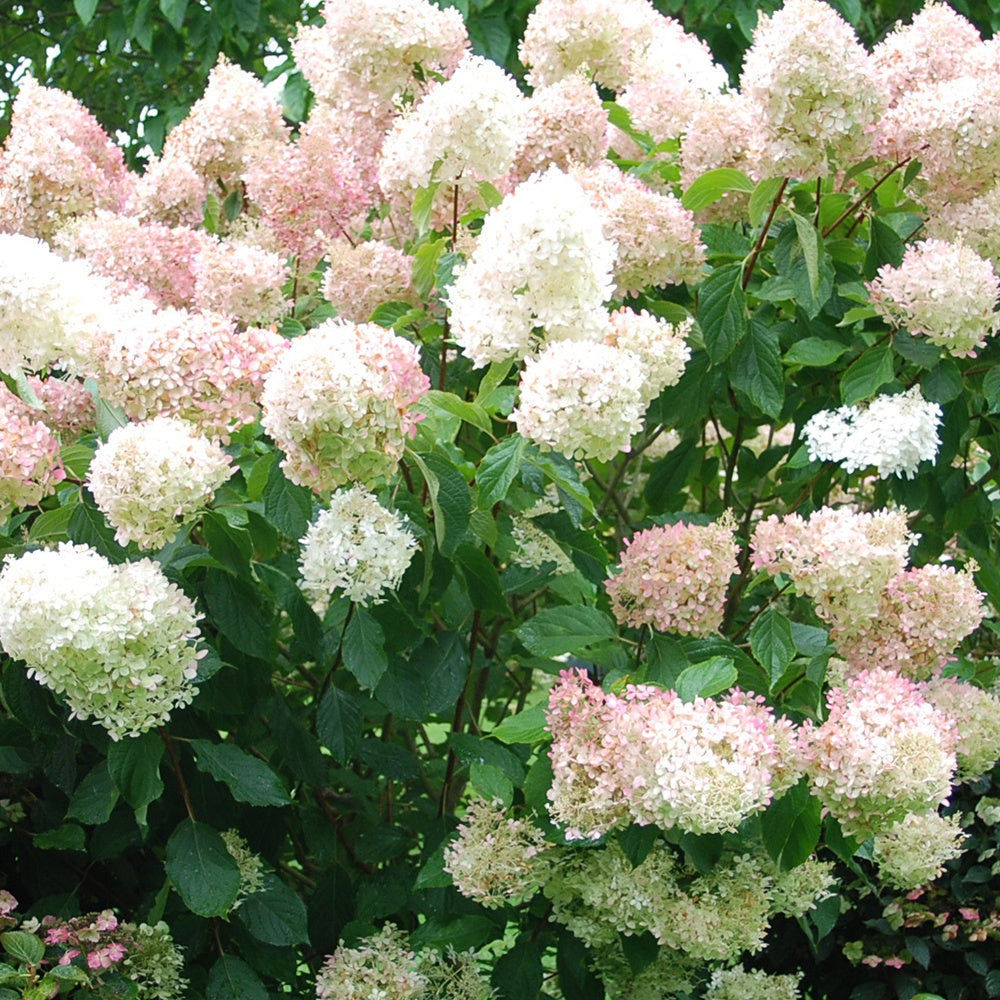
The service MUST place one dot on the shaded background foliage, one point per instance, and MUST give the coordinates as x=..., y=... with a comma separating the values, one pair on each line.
x=139, y=65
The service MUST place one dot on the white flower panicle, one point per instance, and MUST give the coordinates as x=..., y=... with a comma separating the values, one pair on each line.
x=658, y=344
x=379, y=967
x=541, y=262
x=739, y=984
x=465, y=130
x=150, y=478
x=581, y=399
x=893, y=433
x=355, y=546
x=114, y=641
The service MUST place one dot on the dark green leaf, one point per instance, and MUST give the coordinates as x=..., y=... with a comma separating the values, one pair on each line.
x=425, y=264
x=95, y=797
x=275, y=914
x=364, y=648
x=702, y=680
x=517, y=975
x=429, y=680
x=174, y=11
x=867, y=374
x=203, y=872
x=232, y=979
x=722, y=311
x=812, y=352
x=565, y=629
x=573, y=967
x=472, y=749
x=247, y=15
x=991, y=389
x=249, y=780
x=498, y=470
x=68, y=837
x=339, y=723
x=390, y=760
x=287, y=506
x=240, y=612
x=771, y=642
x=810, y=245
x=23, y=947
x=87, y=526
x=637, y=841
x=943, y=383
x=451, y=500
x=134, y=766
x=756, y=369
x=791, y=826
x=884, y=247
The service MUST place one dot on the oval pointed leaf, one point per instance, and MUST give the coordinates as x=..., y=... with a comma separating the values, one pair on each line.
x=232, y=979
x=250, y=780
x=722, y=311
x=702, y=680
x=498, y=469
x=566, y=629
x=275, y=914
x=711, y=186
x=203, y=872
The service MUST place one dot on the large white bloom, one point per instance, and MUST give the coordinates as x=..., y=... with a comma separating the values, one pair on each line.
x=114, y=641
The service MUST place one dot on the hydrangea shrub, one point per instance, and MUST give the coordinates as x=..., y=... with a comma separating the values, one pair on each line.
x=488, y=545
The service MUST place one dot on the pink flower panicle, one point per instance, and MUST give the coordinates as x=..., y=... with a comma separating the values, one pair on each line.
x=840, y=558
x=362, y=276
x=57, y=163
x=923, y=615
x=564, y=123
x=943, y=291
x=884, y=751
x=195, y=366
x=935, y=46
x=674, y=578
x=656, y=238
x=30, y=464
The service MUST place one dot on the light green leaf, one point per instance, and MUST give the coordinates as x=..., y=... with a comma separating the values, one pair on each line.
x=702, y=680
x=565, y=629
x=525, y=727
x=867, y=374
x=756, y=369
x=23, y=947
x=498, y=470
x=711, y=186
x=809, y=241
x=771, y=642
x=85, y=10
x=813, y=352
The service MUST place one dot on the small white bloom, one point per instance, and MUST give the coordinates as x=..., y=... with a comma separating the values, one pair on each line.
x=356, y=546
x=893, y=433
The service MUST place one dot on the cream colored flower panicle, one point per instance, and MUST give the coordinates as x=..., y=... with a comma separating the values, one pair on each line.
x=339, y=404
x=355, y=546
x=814, y=89
x=150, y=478
x=541, y=263
x=583, y=400
x=464, y=131
x=379, y=967
x=114, y=640
x=913, y=851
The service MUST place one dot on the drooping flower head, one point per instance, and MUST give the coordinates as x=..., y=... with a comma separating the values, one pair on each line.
x=339, y=404
x=356, y=546
x=114, y=640
x=674, y=578
x=943, y=291
x=150, y=478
